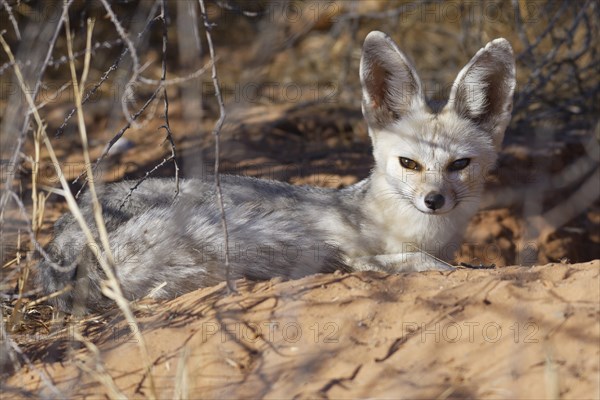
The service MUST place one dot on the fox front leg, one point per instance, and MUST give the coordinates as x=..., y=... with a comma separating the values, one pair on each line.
x=400, y=262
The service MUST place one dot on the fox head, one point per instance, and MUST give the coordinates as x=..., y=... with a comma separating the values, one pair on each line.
x=435, y=161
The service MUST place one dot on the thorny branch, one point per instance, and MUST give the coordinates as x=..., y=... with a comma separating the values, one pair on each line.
x=118, y=136
x=55, y=63
x=91, y=92
x=12, y=19
x=163, y=77
x=162, y=86
x=563, y=64
x=133, y=53
x=166, y=126
x=216, y=132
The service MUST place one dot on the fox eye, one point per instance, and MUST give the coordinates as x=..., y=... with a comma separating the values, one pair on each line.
x=459, y=164
x=410, y=164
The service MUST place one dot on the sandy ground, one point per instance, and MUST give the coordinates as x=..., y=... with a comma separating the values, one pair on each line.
x=514, y=332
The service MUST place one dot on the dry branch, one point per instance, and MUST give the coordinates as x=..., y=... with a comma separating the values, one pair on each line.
x=216, y=133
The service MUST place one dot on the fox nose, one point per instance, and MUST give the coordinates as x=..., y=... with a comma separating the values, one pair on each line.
x=434, y=201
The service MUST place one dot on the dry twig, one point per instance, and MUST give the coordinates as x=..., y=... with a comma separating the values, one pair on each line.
x=216, y=132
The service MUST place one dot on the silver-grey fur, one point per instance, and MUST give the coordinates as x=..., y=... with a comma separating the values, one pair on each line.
x=168, y=247
x=155, y=239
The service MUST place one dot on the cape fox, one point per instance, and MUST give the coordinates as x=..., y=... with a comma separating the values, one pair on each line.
x=408, y=215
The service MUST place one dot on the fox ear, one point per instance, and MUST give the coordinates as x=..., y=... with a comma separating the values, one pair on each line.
x=483, y=90
x=391, y=87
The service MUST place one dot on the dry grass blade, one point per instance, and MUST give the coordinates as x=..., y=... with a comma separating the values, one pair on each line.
x=181, y=376
x=8, y=182
x=113, y=291
x=43, y=299
x=83, y=132
x=98, y=372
